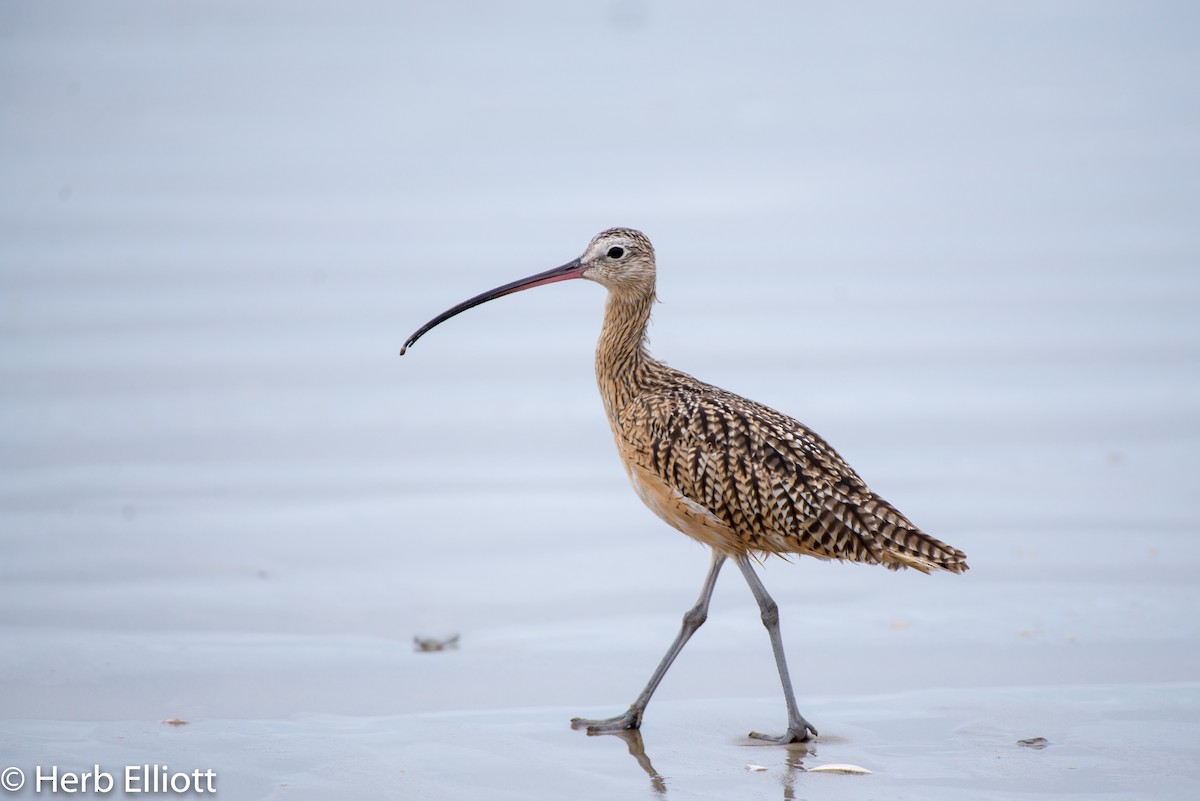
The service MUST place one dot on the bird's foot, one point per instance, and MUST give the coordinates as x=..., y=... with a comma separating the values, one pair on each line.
x=631, y=719
x=800, y=731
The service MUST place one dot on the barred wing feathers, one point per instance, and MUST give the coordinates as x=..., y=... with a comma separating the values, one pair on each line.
x=778, y=487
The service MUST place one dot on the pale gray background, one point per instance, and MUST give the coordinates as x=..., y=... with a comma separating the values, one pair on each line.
x=960, y=241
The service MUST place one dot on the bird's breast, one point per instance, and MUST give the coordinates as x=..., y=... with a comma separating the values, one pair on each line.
x=679, y=511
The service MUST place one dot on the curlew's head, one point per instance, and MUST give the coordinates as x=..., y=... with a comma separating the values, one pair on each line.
x=619, y=259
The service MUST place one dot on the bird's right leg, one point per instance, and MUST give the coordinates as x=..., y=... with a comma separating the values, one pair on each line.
x=692, y=620
x=799, y=729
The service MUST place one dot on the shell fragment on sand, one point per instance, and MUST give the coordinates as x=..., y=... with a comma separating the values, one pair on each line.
x=834, y=767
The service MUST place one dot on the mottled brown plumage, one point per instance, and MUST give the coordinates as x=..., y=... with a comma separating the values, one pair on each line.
x=729, y=472
x=733, y=474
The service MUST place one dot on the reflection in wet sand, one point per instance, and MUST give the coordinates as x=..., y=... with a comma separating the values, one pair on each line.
x=793, y=762
x=637, y=750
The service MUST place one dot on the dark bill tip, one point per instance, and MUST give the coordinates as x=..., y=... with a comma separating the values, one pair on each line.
x=572, y=269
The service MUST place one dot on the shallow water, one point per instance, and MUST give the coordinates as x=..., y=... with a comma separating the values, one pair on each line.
x=960, y=245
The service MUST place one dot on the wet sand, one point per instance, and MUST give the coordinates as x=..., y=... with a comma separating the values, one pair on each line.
x=225, y=500
x=1102, y=741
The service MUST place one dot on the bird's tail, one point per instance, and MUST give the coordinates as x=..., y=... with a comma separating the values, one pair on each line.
x=916, y=549
x=901, y=544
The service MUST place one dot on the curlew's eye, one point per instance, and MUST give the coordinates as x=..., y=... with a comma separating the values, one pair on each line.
x=615, y=252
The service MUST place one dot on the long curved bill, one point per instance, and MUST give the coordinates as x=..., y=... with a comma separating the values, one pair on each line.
x=572, y=269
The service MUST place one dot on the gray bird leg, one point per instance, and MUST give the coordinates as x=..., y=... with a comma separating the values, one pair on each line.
x=692, y=620
x=798, y=728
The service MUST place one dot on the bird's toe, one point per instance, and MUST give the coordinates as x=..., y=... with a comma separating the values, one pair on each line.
x=801, y=733
x=631, y=719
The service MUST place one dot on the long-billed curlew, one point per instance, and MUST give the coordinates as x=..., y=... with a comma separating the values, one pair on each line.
x=731, y=473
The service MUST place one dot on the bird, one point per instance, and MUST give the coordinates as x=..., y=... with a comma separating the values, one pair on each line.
x=743, y=479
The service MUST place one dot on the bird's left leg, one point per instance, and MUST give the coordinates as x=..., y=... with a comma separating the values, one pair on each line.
x=693, y=619
x=799, y=729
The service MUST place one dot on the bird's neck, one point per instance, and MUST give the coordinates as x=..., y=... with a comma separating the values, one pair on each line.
x=622, y=362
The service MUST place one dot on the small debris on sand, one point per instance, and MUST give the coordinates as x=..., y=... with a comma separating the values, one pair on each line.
x=426, y=644
x=1034, y=742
